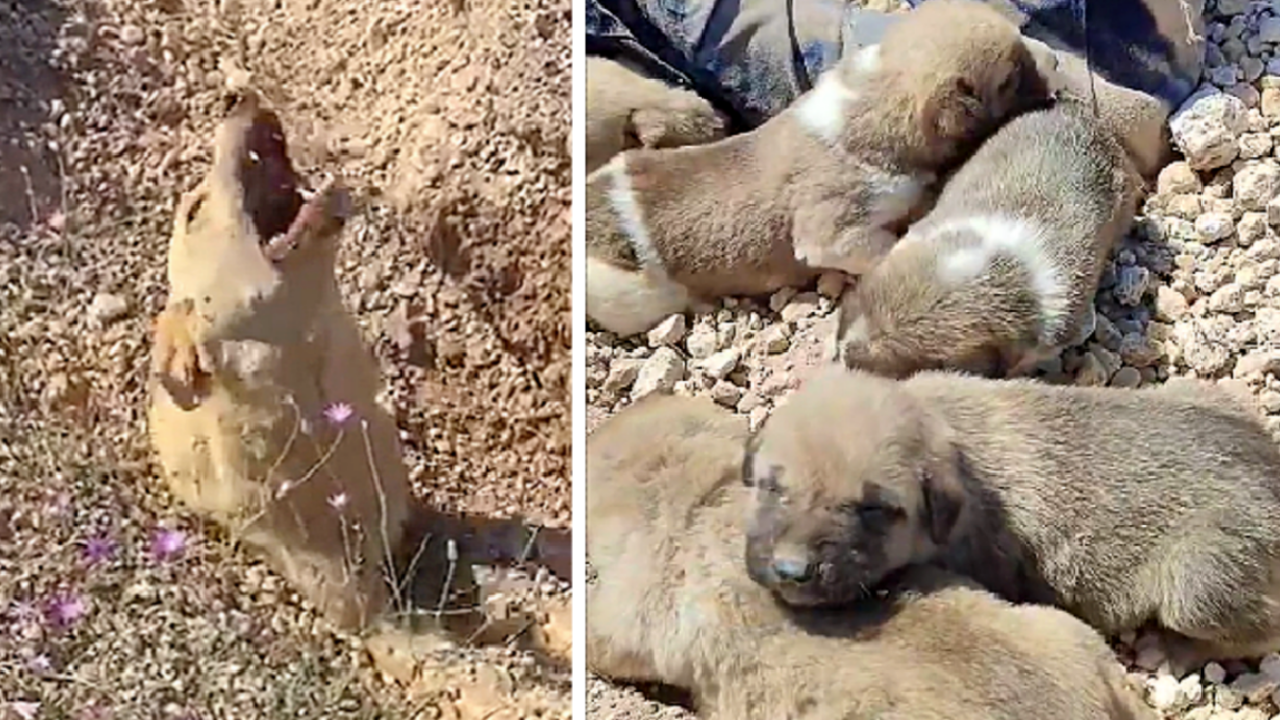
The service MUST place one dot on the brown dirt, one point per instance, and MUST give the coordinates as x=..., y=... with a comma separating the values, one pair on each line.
x=451, y=121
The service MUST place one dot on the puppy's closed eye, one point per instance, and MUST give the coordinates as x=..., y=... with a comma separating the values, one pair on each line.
x=875, y=515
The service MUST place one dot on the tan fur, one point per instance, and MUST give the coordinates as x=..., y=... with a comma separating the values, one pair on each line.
x=828, y=183
x=670, y=602
x=626, y=109
x=1121, y=507
x=248, y=354
x=1003, y=271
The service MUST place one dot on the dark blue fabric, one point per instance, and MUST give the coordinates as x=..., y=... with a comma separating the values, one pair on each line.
x=751, y=58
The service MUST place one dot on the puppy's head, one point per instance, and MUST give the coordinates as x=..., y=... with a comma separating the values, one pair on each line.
x=249, y=211
x=958, y=69
x=899, y=327
x=852, y=480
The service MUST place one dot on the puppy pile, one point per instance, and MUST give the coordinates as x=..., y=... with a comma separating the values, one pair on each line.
x=743, y=567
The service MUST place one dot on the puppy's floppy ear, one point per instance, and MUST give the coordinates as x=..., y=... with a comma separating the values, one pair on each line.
x=952, y=111
x=941, y=488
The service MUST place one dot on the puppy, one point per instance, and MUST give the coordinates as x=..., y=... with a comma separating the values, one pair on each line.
x=1003, y=271
x=1121, y=507
x=669, y=602
x=628, y=110
x=262, y=403
x=828, y=183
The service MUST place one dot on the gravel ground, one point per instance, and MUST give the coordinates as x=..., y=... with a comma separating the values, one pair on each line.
x=1194, y=291
x=451, y=122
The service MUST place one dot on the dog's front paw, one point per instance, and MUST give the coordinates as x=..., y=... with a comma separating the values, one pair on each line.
x=180, y=362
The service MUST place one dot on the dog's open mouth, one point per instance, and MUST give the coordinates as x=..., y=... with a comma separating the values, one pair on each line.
x=279, y=207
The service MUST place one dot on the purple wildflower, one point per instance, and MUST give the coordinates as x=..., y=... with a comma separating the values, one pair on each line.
x=338, y=501
x=99, y=549
x=338, y=413
x=167, y=544
x=39, y=664
x=65, y=609
x=25, y=709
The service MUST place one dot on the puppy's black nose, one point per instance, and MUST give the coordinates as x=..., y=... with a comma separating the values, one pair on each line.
x=790, y=570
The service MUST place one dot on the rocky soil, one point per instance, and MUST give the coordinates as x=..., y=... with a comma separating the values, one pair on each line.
x=451, y=121
x=1194, y=291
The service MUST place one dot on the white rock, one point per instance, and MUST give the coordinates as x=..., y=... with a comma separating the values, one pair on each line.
x=775, y=340
x=660, y=373
x=668, y=332
x=1214, y=673
x=1255, y=145
x=1270, y=665
x=1258, y=363
x=1177, y=178
x=1190, y=689
x=1091, y=372
x=1126, y=377
x=1254, y=687
x=1213, y=226
x=1170, y=304
x=720, y=364
x=1207, y=126
x=1251, y=228
x=726, y=393
x=1164, y=693
x=1227, y=299
x=702, y=342
x=1256, y=185
x=107, y=308
x=801, y=306
x=622, y=373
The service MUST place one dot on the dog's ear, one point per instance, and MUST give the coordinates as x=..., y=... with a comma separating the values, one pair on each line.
x=941, y=488
x=952, y=111
x=647, y=127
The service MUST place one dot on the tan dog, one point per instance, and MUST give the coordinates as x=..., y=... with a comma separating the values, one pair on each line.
x=670, y=602
x=1003, y=271
x=628, y=110
x=1122, y=507
x=262, y=409
x=828, y=183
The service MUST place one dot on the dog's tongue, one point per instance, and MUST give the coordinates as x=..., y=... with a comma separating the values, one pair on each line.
x=262, y=167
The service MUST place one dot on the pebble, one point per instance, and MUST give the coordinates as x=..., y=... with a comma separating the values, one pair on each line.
x=1164, y=693
x=1256, y=185
x=1170, y=304
x=801, y=306
x=1207, y=126
x=1131, y=284
x=1214, y=226
x=622, y=373
x=660, y=373
x=1257, y=363
x=1091, y=372
x=775, y=340
x=702, y=342
x=1177, y=178
x=1227, y=299
x=668, y=332
x=107, y=308
x=720, y=364
x=1126, y=377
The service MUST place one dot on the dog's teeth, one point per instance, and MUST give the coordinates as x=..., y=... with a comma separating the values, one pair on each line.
x=306, y=194
x=253, y=156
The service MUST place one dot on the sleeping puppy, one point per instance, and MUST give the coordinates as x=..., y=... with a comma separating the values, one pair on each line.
x=628, y=110
x=828, y=183
x=1120, y=506
x=1003, y=271
x=668, y=601
x=262, y=394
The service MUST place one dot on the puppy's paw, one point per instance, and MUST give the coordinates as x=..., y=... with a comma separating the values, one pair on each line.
x=182, y=364
x=324, y=213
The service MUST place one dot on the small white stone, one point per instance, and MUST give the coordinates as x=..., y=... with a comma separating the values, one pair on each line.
x=1270, y=666
x=1213, y=227
x=1177, y=178
x=702, y=342
x=1255, y=145
x=775, y=340
x=622, y=373
x=660, y=373
x=726, y=393
x=107, y=308
x=720, y=364
x=668, y=332
x=1256, y=185
x=1164, y=694
x=1170, y=304
x=1227, y=299
x=1251, y=228
x=1190, y=689
x=801, y=306
x=1206, y=128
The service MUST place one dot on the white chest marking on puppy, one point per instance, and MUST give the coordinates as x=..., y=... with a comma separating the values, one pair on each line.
x=822, y=110
x=1022, y=240
x=623, y=199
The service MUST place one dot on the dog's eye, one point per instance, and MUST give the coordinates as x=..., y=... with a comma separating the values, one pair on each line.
x=875, y=514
